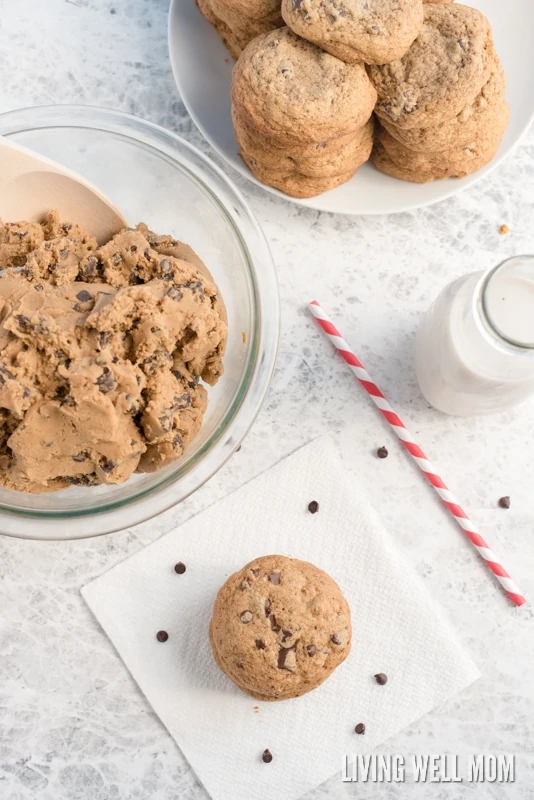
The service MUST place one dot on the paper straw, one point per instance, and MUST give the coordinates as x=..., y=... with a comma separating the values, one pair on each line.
x=426, y=467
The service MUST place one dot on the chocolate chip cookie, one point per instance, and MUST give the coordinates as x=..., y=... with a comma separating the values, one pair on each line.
x=280, y=627
x=443, y=71
x=391, y=157
x=481, y=115
x=229, y=39
x=375, y=33
x=292, y=91
x=323, y=163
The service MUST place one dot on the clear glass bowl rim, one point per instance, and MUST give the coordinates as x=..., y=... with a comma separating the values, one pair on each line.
x=263, y=346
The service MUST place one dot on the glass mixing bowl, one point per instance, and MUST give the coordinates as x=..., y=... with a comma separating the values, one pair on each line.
x=155, y=177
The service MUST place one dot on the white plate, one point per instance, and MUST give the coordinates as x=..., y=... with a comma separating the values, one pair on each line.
x=203, y=70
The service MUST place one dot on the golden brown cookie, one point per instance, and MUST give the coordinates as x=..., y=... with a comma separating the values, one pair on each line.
x=442, y=72
x=229, y=39
x=280, y=627
x=391, y=157
x=292, y=91
x=375, y=33
x=323, y=163
x=292, y=182
x=245, y=26
x=481, y=115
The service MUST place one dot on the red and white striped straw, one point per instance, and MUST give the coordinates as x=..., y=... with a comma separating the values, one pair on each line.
x=419, y=457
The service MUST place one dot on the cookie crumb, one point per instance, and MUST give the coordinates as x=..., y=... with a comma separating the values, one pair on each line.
x=504, y=229
x=244, y=337
x=360, y=728
x=504, y=502
x=313, y=507
x=266, y=756
x=382, y=452
x=256, y=709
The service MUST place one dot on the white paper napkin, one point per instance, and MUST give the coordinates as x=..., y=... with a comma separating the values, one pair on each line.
x=398, y=629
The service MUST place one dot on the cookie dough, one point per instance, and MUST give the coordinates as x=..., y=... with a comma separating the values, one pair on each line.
x=280, y=627
x=101, y=353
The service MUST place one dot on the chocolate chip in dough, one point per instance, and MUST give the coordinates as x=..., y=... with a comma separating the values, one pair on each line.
x=274, y=577
x=260, y=644
x=311, y=649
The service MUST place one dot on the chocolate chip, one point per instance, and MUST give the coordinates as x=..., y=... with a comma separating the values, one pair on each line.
x=133, y=248
x=177, y=441
x=116, y=259
x=260, y=644
x=287, y=658
x=286, y=635
x=63, y=254
x=24, y=322
x=106, y=381
x=266, y=756
x=256, y=572
x=267, y=602
x=67, y=227
x=245, y=617
x=69, y=400
x=106, y=465
x=297, y=4
x=174, y=293
x=179, y=568
x=162, y=636
x=360, y=728
x=84, y=296
x=80, y=456
x=244, y=585
x=505, y=502
x=134, y=280
x=104, y=338
x=311, y=649
x=313, y=507
x=336, y=638
x=38, y=287
x=382, y=452
x=146, y=253
x=274, y=577
x=166, y=266
x=274, y=625
x=183, y=401
x=177, y=374
x=381, y=678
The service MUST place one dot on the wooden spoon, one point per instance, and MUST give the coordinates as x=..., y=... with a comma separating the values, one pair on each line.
x=31, y=185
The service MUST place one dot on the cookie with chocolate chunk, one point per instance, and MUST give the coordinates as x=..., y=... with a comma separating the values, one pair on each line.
x=481, y=115
x=443, y=71
x=394, y=159
x=280, y=627
x=375, y=33
x=293, y=92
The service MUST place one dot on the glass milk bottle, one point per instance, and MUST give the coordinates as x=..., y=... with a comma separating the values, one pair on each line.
x=474, y=350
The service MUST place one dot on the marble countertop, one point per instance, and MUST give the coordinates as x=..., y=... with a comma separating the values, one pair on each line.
x=73, y=725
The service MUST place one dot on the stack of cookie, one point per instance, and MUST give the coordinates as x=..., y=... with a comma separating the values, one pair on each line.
x=239, y=21
x=442, y=106
x=302, y=117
